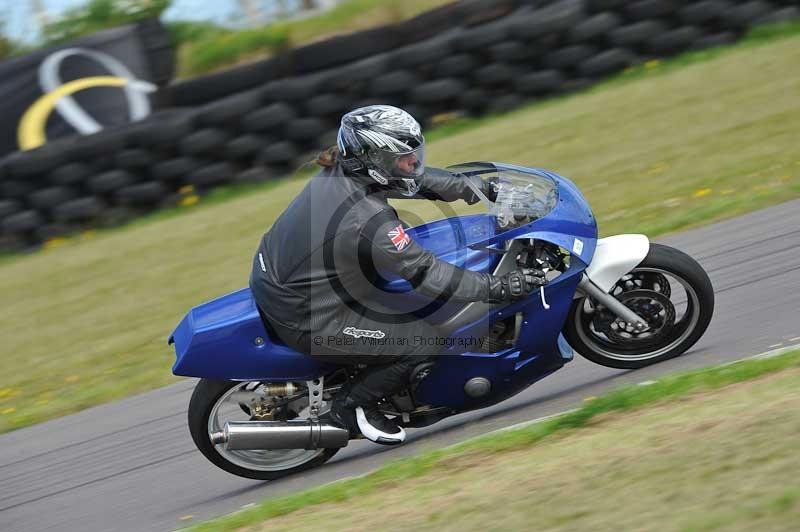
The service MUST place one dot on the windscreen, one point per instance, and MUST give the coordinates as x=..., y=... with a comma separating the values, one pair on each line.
x=522, y=195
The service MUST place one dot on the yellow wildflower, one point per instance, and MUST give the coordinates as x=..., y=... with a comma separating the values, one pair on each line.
x=658, y=168
x=699, y=193
x=54, y=242
x=188, y=201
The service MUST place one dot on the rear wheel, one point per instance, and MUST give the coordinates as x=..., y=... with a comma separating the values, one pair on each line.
x=673, y=294
x=214, y=403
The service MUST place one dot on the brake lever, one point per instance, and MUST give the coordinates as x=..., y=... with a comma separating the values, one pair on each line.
x=544, y=302
x=545, y=269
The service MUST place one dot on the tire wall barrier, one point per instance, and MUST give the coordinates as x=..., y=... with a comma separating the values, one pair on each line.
x=262, y=120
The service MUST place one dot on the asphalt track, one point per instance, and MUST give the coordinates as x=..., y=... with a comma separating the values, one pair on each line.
x=131, y=465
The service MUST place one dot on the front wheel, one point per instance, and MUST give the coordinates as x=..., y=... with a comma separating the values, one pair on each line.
x=214, y=403
x=669, y=289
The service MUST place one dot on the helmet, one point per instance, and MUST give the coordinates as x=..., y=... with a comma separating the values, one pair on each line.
x=384, y=143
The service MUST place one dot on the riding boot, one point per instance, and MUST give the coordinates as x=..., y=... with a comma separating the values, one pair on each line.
x=361, y=399
x=379, y=381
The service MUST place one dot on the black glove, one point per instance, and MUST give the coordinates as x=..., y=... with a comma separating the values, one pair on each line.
x=489, y=188
x=514, y=285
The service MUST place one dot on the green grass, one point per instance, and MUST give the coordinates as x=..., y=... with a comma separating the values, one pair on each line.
x=678, y=401
x=86, y=322
x=204, y=48
x=208, y=48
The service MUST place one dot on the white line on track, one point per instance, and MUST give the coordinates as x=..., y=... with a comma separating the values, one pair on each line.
x=766, y=354
x=774, y=352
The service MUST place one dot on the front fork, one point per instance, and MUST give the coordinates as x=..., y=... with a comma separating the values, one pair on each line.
x=588, y=288
x=538, y=256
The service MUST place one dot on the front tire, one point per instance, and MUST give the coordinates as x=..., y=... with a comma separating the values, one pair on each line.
x=670, y=288
x=211, y=405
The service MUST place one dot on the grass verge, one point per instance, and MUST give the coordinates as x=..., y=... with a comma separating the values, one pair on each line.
x=696, y=433
x=86, y=322
x=204, y=48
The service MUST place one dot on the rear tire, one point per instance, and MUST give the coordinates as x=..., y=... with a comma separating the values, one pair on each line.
x=627, y=351
x=207, y=394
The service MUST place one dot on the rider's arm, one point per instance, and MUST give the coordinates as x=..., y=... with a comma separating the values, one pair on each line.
x=392, y=249
x=439, y=184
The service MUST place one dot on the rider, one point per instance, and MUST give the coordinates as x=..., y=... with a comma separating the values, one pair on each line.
x=314, y=271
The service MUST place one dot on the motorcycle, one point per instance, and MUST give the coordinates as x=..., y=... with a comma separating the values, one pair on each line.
x=258, y=410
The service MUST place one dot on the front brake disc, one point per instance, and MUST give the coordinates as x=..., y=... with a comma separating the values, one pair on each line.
x=654, y=307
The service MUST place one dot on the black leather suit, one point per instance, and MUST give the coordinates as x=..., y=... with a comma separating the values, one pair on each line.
x=314, y=271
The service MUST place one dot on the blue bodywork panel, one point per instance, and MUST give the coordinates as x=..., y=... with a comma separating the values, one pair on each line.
x=540, y=350
x=226, y=339
x=450, y=240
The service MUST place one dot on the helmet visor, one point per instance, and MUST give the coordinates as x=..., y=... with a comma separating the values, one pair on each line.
x=399, y=165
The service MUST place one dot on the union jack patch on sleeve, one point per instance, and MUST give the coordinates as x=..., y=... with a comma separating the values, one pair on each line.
x=399, y=238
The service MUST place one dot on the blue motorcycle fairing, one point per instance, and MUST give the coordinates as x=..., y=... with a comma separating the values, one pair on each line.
x=570, y=225
x=226, y=339
x=540, y=349
x=449, y=239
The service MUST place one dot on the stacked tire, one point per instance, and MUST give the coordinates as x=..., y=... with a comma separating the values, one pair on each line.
x=263, y=120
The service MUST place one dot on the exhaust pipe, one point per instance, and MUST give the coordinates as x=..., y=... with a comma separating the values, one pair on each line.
x=296, y=434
